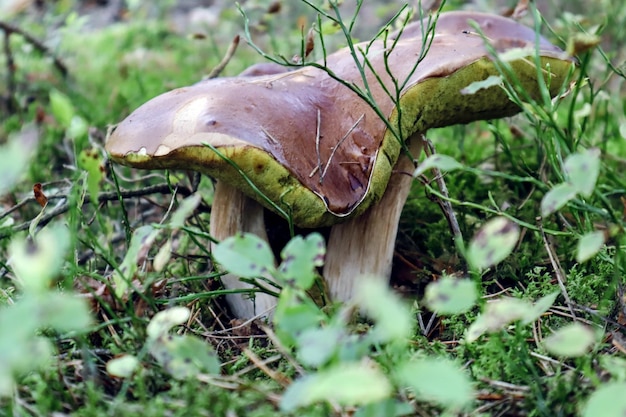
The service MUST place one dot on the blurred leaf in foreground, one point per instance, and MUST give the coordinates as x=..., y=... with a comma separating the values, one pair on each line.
x=495, y=240
x=15, y=156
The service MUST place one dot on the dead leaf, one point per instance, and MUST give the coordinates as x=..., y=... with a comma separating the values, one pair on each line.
x=39, y=195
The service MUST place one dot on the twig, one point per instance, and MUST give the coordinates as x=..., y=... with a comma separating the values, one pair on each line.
x=317, y=144
x=215, y=72
x=254, y=367
x=332, y=154
x=429, y=326
x=10, y=29
x=102, y=198
x=10, y=63
x=445, y=204
x=235, y=384
x=558, y=271
x=280, y=348
x=262, y=365
x=554, y=362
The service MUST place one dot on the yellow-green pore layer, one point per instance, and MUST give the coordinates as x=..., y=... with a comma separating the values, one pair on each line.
x=433, y=102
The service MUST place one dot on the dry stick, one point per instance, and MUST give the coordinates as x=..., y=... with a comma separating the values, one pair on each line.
x=445, y=204
x=558, y=271
x=282, y=350
x=235, y=384
x=283, y=380
x=254, y=367
x=215, y=72
x=11, y=89
x=9, y=29
x=332, y=154
x=317, y=144
x=554, y=362
x=102, y=198
x=429, y=326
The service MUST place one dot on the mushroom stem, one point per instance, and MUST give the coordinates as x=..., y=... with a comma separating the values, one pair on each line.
x=232, y=212
x=364, y=246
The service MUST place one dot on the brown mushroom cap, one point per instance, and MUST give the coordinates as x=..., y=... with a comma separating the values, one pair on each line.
x=307, y=141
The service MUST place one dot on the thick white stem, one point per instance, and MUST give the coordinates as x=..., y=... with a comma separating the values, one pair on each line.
x=232, y=212
x=363, y=246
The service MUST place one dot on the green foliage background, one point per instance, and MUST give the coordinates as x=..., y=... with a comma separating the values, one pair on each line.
x=508, y=168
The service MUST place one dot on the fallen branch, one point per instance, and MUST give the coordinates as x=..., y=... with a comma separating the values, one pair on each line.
x=102, y=198
x=10, y=29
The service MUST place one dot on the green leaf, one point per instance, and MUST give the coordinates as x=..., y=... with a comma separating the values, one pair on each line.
x=571, y=341
x=15, y=156
x=329, y=28
x=184, y=210
x=476, y=86
x=540, y=307
x=439, y=161
x=315, y=346
x=515, y=54
x=163, y=256
x=392, y=317
x=64, y=312
x=346, y=384
x=557, y=197
x=140, y=243
x=439, y=381
x=294, y=315
x=301, y=256
x=588, y=245
x=450, y=295
x=583, y=169
x=245, y=255
x=498, y=314
x=580, y=42
x=62, y=108
x=37, y=263
x=608, y=401
x=123, y=366
x=92, y=161
x=614, y=365
x=21, y=351
x=77, y=129
x=163, y=321
x=493, y=242
x=7, y=384
x=185, y=356
x=388, y=408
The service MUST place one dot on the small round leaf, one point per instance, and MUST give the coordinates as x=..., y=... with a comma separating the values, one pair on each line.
x=246, y=255
x=301, y=257
x=588, y=245
x=608, y=401
x=498, y=314
x=450, y=295
x=439, y=381
x=164, y=320
x=556, y=198
x=123, y=366
x=346, y=384
x=583, y=169
x=392, y=316
x=493, y=242
x=442, y=162
x=571, y=341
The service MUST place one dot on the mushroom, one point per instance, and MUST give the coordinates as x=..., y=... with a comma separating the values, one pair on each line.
x=305, y=145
